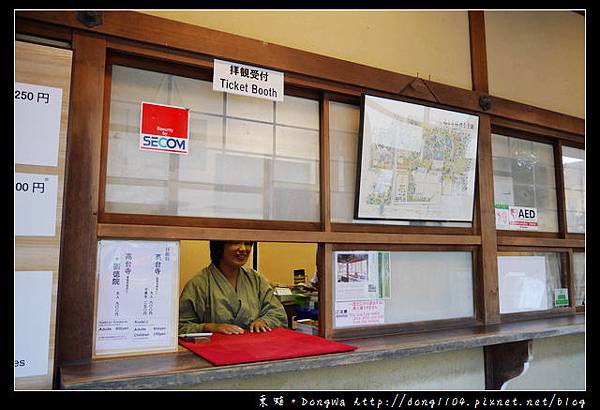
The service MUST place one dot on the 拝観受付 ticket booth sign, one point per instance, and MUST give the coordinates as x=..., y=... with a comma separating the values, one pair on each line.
x=241, y=79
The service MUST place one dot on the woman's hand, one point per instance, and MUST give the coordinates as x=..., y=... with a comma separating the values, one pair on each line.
x=259, y=325
x=225, y=328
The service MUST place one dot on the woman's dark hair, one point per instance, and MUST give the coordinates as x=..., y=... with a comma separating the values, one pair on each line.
x=216, y=251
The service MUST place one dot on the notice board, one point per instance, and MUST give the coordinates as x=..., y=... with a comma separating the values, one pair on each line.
x=137, y=297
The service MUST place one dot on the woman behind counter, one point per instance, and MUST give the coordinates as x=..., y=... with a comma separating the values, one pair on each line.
x=226, y=297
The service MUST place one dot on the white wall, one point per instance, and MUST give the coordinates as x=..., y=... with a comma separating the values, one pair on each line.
x=558, y=364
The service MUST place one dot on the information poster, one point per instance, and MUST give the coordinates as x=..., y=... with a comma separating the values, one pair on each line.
x=137, y=304
x=33, y=303
x=362, y=275
x=36, y=197
x=37, y=124
x=359, y=313
x=416, y=162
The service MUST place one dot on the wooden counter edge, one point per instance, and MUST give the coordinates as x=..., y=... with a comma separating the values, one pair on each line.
x=393, y=346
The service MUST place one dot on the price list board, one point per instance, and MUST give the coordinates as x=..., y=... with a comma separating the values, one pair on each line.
x=136, y=304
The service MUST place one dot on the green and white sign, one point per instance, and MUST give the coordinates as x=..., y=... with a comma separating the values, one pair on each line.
x=561, y=297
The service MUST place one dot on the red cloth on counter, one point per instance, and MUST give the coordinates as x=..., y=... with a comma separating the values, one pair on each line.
x=249, y=347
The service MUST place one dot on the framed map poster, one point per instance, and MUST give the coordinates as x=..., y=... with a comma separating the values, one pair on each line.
x=415, y=162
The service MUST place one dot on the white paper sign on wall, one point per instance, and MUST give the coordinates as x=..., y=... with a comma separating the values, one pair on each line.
x=35, y=204
x=241, y=79
x=360, y=313
x=37, y=112
x=137, y=303
x=33, y=297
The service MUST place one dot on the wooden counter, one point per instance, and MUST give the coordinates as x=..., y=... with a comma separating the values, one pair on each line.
x=183, y=368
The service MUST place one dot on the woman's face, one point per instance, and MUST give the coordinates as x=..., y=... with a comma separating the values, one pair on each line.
x=236, y=254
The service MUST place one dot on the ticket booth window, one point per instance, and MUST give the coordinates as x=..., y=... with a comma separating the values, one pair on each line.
x=377, y=288
x=531, y=281
x=524, y=176
x=247, y=158
x=574, y=172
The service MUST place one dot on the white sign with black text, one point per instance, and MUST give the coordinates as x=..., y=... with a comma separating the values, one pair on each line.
x=247, y=80
x=37, y=112
x=35, y=204
x=33, y=296
x=137, y=296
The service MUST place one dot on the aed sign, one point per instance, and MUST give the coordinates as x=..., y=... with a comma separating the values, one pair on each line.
x=522, y=218
x=247, y=80
x=164, y=128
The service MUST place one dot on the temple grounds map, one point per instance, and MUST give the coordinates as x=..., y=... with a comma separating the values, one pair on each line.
x=418, y=162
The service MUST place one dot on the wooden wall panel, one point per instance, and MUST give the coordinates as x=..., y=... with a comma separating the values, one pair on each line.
x=51, y=67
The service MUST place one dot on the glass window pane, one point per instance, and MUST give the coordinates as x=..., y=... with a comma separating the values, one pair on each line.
x=249, y=136
x=574, y=173
x=524, y=175
x=527, y=280
x=297, y=143
x=298, y=112
x=344, y=123
x=239, y=106
x=239, y=165
x=579, y=270
x=407, y=286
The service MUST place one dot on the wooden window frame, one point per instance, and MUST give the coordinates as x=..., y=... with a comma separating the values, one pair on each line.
x=179, y=44
x=567, y=279
x=559, y=152
x=406, y=327
x=578, y=308
x=147, y=63
x=516, y=134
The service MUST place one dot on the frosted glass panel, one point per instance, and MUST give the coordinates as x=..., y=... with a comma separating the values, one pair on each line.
x=423, y=286
x=132, y=84
x=131, y=198
x=196, y=95
x=240, y=163
x=579, y=270
x=219, y=204
x=574, y=173
x=240, y=106
x=524, y=175
x=527, y=280
x=298, y=112
x=249, y=136
x=297, y=143
x=344, y=123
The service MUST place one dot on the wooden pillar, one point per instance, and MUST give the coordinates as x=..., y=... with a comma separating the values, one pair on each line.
x=76, y=286
x=479, y=73
x=325, y=167
x=488, y=256
x=485, y=219
x=325, y=277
